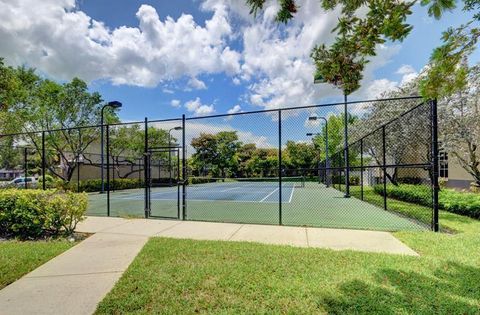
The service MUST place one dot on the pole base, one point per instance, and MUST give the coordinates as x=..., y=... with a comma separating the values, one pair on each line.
x=346, y=196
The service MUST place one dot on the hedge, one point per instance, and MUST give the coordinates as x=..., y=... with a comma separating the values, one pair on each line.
x=94, y=185
x=463, y=203
x=31, y=214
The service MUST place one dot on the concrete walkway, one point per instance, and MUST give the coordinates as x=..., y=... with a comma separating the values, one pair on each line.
x=77, y=280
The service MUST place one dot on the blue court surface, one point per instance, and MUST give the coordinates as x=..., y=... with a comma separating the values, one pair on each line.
x=260, y=192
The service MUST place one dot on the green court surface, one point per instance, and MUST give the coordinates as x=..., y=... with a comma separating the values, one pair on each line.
x=312, y=205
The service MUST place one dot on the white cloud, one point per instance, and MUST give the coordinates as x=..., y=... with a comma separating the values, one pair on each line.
x=197, y=84
x=58, y=39
x=175, y=103
x=63, y=42
x=405, y=69
x=199, y=109
x=377, y=87
x=235, y=109
x=408, y=74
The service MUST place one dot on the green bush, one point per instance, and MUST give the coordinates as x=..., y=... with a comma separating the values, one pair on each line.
x=354, y=180
x=94, y=185
x=467, y=204
x=28, y=214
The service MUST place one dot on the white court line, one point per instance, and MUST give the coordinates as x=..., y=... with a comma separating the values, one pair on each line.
x=291, y=194
x=269, y=195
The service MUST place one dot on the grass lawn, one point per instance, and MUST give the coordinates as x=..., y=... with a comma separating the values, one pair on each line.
x=184, y=276
x=18, y=258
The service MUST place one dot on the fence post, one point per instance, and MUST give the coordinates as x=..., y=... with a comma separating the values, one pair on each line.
x=177, y=178
x=25, y=166
x=435, y=186
x=384, y=149
x=145, y=168
x=78, y=160
x=361, y=169
x=184, y=172
x=108, y=169
x=280, y=167
x=43, y=161
x=347, y=159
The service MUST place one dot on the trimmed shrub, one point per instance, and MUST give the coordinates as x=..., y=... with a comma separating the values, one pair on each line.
x=94, y=185
x=354, y=180
x=463, y=203
x=30, y=214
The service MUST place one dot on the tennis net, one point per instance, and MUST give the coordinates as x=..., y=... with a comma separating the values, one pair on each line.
x=291, y=181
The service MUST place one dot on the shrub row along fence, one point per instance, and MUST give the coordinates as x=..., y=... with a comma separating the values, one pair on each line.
x=286, y=166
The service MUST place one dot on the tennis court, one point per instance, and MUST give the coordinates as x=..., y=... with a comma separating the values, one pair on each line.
x=302, y=203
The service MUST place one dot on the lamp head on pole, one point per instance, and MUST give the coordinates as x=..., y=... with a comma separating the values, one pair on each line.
x=114, y=104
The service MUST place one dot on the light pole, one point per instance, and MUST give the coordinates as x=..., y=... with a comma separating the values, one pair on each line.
x=170, y=151
x=314, y=118
x=114, y=105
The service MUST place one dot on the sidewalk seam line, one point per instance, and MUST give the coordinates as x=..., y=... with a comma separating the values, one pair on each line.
x=124, y=234
x=235, y=232
x=75, y=274
x=306, y=234
x=111, y=227
x=168, y=228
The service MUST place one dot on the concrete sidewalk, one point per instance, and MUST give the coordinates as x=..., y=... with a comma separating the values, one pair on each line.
x=336, y=239
x=77, y=280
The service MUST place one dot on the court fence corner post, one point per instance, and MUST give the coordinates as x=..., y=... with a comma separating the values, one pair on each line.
x=43, y=162
x=435, y=164
x=384, y=167
x=280, y=168
x=108, y=168
x=361, y=169
x=184, y=172
x=146, y=169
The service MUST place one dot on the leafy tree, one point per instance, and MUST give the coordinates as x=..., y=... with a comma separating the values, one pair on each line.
x=245, y=154
x=343, y=62
x=300, y=156
x=460, y=124
x=263, y=163
x=41, y=104
x=219, y=151
x=448, y=69
x=127, y=146
x=335, y=137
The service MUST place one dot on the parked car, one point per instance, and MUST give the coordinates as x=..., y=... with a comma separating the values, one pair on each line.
x=21, y=182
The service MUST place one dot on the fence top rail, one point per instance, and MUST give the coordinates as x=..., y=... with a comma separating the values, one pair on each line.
x=376, y=129
x=305, y=107
x=210, y=116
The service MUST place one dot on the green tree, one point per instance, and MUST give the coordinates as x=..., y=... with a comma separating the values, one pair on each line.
x=245, y=154
x=335, y=137
x=41, y=104
x=358, y=35
x=127, y=146
x=300, y=156
x=219, y=151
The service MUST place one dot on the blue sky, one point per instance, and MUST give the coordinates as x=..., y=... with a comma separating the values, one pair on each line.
x=154, y=102
x=162, y=59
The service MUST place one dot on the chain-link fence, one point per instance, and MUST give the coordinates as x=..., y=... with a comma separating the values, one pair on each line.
x=289, y=166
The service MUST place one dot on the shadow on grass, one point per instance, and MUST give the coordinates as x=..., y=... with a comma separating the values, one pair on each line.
x=451, y=289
